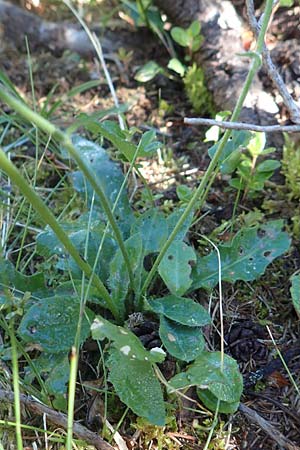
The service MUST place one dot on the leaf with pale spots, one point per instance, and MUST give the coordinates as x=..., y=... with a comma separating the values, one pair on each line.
x=185, y=343
x=176, y=266
x=181, y=309
x=245, y=257
x=207, y=373
x=125, y=341
x=137, y=386
x=52, y=323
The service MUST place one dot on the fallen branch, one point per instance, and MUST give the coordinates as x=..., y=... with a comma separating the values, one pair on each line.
x=242, y=125
x=271, y=70
x=57, y=418
x=269, y=429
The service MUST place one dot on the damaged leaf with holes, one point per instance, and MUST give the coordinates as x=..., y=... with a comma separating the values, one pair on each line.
x=245, y=258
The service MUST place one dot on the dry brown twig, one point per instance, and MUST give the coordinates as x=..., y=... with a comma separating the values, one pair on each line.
x=268, y=428
x=58, y=419
x=271, y=69
x=242, y=125
x=274, y=75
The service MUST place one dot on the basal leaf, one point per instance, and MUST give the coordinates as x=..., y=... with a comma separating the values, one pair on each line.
x=137, y=387
x=183, y=342
x=211, y=402
x=245, y=258
x=295, y=292
x=153, y=228
x=125, y=341
x=206, y=373
x=107, y=173
x=84, y=234
x=119, y=279
x=231, y=153
x=12, y=280
x=55, y=369
x=52, y=323
x=175, y=267
x=180, y=309
x=173, y=219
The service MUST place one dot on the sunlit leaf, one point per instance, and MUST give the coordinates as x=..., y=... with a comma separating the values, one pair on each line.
x=148, y=72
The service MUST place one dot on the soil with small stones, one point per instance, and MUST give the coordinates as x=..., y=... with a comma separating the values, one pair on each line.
x=249, y=308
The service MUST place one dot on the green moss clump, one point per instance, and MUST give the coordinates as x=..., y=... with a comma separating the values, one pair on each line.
x=197, y=92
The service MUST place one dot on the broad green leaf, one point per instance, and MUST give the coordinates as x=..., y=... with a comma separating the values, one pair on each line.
x=137, y=386
x=175, y=267
x=52, y=323
x=211, y=402
x=176, y=65
x=107, y=173
x=125, y=341
x=245, y=257
x=183, y=342
x=180, y=36
x=206, y=373
x=119, y=279
x=173, y=219
x=84, y=234
x=12, y=280
x=230, y=156
x=180, y=309
x=295, y=292
x=148, y=72
x=55, y=369
x=153, y=228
